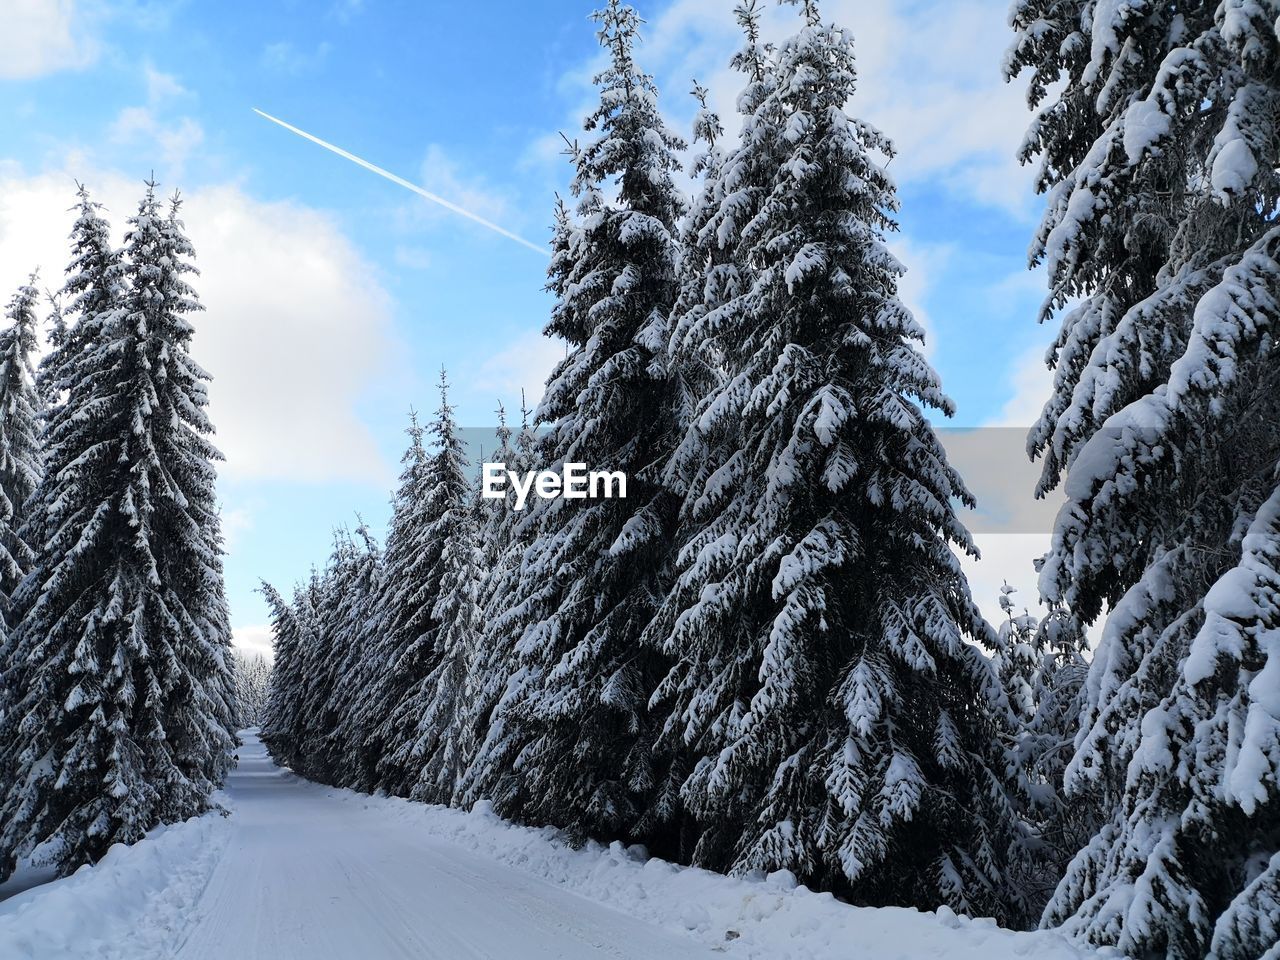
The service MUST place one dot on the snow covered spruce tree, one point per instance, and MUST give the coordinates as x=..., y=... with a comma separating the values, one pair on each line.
x=353, y=591
x=20, y=470
x=1018, y=656
x=92, y=286
x=713, y=279
x=434, y=494
x=438, y=739
x=314, y=719
x=1159, y=156
x=708, y=277
x=291, y=632
x=495, y=563
x=128, y=699
x=402, y=614
x=843, y=727
x=595, y=566
x=497, y=674
x=1042, y=672
x=21, y=460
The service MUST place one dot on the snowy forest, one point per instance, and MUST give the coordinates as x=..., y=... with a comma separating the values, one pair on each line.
x=766, y=657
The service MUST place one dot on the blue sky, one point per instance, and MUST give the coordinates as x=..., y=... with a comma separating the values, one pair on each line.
x=334, y=296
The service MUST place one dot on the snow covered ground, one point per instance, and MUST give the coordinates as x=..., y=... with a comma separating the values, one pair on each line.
x=300, y=870
x=134, y=903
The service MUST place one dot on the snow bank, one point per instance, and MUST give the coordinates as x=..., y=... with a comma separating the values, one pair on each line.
x=135, y=902
x=139, y=901
x=765, y=918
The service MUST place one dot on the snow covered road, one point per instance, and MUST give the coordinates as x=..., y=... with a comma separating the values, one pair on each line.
x=301, y=870
x=309, y=875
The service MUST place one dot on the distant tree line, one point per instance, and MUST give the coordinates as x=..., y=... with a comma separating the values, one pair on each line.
x=253, y=686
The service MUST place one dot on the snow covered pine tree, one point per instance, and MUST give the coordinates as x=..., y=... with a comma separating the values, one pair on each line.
x=92, y=283
x=712, y=281
x=128, y=698
x=340, y=609
x=497, y=674
x=439, y=740
x=593, y=568
x=349, y=621
x=401, y=615
x=496, y=564
x=21, y=460
x=324, y=666
x=20, y=470
x=1042, y=669
x=843, y=727
x=290, y=637
x=1159, y=155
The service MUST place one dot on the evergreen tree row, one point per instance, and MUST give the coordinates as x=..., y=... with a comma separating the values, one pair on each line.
x=766, y=656
x=117, y=697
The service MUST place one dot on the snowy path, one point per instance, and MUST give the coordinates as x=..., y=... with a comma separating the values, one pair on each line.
x=305, y=871
x=307, y=875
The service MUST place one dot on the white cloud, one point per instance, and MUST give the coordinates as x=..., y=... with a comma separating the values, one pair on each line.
x=172, y=143
x=442, y=175
x=344, y=10
x=929, y=76
x=1005, y=557
x=296, y=328
x=162, y=86
x=1030, y=383
x=1010, y=557
x=254, y=639
x=523, y=365
x=924, y=261
x=473, y=196
x=42, y=37
x=546, y=153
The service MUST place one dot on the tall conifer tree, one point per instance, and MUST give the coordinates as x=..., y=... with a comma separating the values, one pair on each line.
x=1159, y=155
x=402, y=617
x=713, y=279
x=435, y=739
x=594, y=567
x=844, y=729
x=291, y=629
x=20, y=471
x=253, y=681
x=354, y=591
x=21, y=460
x=126, y=714
x=498, y=674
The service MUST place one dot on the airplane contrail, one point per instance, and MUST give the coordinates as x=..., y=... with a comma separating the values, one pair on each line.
x=406, y=184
